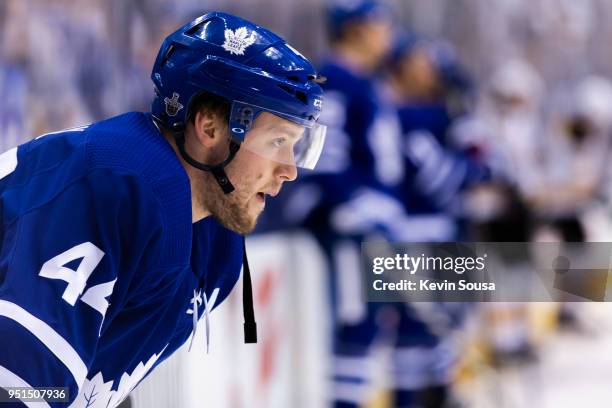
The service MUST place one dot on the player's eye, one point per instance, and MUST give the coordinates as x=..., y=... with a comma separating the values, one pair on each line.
x=279, y=142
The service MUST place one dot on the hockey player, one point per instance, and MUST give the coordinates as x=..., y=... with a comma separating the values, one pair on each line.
x=356, y=184
x=425, y=348
x=117, y=236
x=422, y=77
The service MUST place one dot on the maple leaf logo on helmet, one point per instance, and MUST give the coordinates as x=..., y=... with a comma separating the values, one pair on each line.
x=236, y=42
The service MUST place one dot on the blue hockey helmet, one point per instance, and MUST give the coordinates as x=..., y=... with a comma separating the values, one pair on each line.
x=252, y=68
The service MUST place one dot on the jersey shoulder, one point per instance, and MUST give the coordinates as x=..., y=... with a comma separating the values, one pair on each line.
x=340, y=77
x=127, y=143
x=121, y=159
x=132, y=142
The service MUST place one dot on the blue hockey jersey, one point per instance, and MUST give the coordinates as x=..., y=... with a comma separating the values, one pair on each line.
x=101, y=268
x=436, y=174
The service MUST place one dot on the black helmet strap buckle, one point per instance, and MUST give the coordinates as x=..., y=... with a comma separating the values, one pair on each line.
x=217, y=170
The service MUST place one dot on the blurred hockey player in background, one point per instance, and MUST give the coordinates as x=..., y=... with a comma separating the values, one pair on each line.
x=360, y=191
x=425, y=82
x=427, y=85
x=356, y=185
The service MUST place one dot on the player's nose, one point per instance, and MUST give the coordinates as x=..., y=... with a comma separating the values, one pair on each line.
x=287, y=172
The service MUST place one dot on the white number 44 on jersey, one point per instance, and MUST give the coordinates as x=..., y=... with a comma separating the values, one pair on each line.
x=90, y=256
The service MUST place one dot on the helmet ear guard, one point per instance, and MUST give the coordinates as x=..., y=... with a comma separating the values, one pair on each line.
x=241, y=120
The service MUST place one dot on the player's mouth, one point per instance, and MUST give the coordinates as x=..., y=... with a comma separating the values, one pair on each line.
x=261, y=198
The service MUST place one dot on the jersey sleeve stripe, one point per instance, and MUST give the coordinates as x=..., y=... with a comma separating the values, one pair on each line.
x=49, y=337
x=10, y=379
x=8, y=162
x=73, y=129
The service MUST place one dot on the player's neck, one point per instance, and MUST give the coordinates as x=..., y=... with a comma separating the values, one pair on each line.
x=198, y=210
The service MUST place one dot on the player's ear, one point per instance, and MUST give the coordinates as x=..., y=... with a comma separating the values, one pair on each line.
x=209, y=129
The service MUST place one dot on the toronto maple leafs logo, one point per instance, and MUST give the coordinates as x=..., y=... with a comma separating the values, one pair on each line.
x=98, y=393
x=172, y=105
x=196, y=301
x=236, y=42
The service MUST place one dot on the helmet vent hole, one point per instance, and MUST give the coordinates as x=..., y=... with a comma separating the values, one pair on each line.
x=286, y=89
x=168, y=54
x=195, y=30
x=302, y=97
x=293, y=78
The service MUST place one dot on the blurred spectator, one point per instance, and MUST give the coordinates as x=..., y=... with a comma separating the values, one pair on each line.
x=577, y=154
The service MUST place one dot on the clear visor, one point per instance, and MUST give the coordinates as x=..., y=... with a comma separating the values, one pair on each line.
x=277, y=136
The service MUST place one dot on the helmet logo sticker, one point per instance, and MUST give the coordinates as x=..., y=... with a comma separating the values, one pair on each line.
x=172, y=105
x=236, y=42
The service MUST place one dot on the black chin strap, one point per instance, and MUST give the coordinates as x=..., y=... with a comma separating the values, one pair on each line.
x=217, y=170
x=250, y=326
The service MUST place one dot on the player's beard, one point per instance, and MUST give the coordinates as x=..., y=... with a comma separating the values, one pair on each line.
x=230, y=210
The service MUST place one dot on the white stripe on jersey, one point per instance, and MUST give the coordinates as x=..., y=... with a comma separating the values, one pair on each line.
x=50, y=338
x=73, y=129
x=10, y=379
x=353, y=367
x=8, y=162
x=351, y=392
